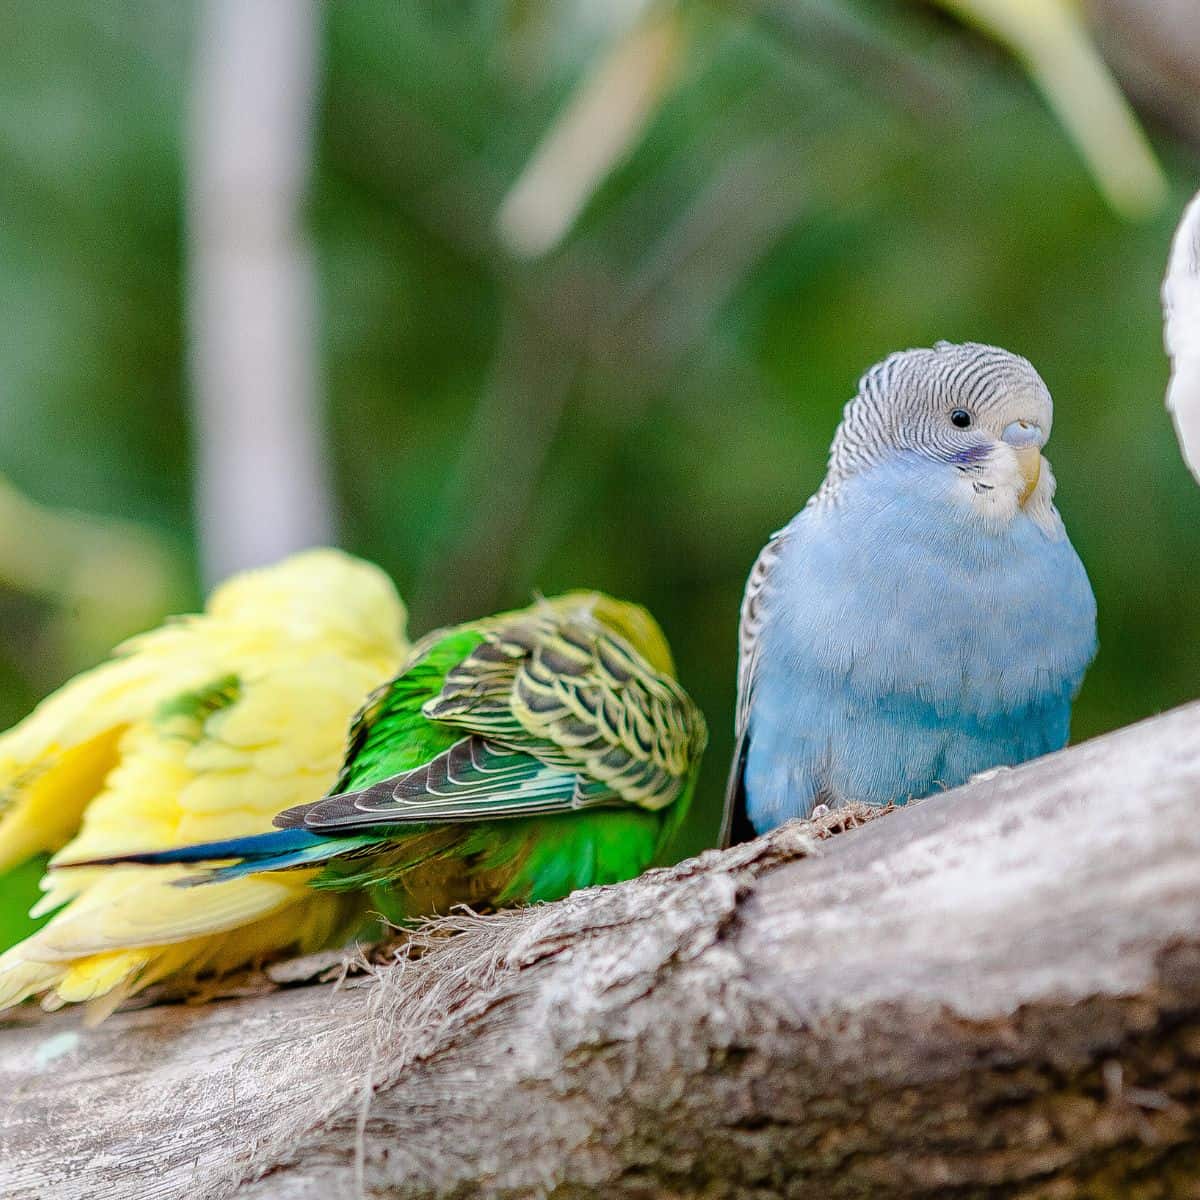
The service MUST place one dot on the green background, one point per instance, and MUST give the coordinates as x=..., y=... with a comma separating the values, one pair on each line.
x=639, y=410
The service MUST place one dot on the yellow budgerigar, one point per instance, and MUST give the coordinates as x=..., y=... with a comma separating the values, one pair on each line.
x=202, y=729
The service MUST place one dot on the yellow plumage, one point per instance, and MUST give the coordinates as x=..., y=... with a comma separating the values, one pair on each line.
x=202, y=729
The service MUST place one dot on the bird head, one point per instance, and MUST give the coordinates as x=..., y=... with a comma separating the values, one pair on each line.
x=976, y=415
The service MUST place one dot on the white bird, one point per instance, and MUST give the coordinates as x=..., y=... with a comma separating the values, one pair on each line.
x=1181, y=332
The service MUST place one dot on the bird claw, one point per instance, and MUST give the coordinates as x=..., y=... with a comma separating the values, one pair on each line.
x=826, y=820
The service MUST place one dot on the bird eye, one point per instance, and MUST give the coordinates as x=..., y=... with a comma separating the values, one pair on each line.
x=961, y=418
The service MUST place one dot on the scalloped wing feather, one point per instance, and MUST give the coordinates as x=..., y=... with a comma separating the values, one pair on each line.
x=560, y=713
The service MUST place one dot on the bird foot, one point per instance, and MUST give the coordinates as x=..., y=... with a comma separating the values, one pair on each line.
x=825, y=821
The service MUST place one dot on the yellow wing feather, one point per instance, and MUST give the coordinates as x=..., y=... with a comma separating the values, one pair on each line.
x=199, y=730
x=46, y=805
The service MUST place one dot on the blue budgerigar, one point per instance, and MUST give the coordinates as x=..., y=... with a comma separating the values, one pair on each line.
x=924, y=617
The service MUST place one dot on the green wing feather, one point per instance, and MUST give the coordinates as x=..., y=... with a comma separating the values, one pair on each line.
x=390, y=734
x=547, y=710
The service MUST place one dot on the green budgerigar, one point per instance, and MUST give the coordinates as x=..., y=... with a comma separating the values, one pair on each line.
x=513, y=759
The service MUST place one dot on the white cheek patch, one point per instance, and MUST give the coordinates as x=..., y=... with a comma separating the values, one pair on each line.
x=992, y=486
x=993, y=491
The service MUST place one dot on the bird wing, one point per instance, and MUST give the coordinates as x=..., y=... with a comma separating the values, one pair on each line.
x=197, y=731
x=55, y=761
x=554, y=712
x=1181, y=331
x=208, y=763
x=755, y=602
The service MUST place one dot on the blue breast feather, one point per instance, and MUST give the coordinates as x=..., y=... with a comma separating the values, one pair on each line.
x=909, y=644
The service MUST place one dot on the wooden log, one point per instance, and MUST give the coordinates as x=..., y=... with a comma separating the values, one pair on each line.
x=992, y=993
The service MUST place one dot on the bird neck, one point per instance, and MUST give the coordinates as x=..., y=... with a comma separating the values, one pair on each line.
x=912, y=490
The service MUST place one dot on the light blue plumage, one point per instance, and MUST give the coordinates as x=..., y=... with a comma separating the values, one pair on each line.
x=925, y=616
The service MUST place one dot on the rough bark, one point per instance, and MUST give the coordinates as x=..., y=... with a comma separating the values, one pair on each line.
x=993, y=993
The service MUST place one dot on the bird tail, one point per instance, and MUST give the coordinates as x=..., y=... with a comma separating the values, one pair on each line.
x=278, y=850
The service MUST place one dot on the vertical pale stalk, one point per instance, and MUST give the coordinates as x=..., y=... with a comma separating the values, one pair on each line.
x=261, y=478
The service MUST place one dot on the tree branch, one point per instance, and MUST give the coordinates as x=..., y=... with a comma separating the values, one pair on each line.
x=995, y=993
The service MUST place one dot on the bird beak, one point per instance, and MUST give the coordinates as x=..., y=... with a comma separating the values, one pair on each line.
x=1029, y=460
x=1026, y=438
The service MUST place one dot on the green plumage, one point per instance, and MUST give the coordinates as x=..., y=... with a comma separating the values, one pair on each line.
x=185, y=715
x=390, y=734
x=513, y=760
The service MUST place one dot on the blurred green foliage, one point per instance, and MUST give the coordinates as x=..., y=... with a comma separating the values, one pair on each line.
x=637, y=411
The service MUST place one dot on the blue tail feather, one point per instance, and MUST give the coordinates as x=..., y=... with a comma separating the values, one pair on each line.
x=258, y=849
x=327, y=848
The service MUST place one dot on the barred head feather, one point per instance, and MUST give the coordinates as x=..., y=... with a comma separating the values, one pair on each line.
x=906, y=402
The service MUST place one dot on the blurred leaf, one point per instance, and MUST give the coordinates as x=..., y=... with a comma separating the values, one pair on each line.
x=598, y=127
x=106, y=579
x=1051, y=39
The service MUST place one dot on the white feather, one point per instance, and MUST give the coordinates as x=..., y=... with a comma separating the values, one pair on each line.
x=1181, y=332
